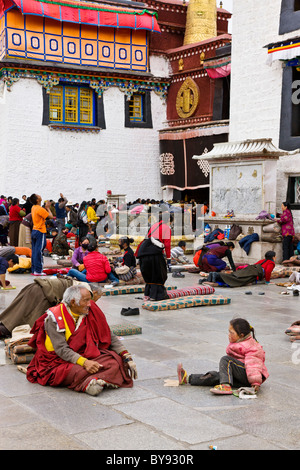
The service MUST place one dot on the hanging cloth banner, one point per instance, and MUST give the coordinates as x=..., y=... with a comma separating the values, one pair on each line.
x=90, y=13
x=218, y=68
x=219, y=72
x=283, y=51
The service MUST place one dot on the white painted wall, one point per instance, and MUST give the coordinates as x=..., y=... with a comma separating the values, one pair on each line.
x=255, y=86
x=34, y=158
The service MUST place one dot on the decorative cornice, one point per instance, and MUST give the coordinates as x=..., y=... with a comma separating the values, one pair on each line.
x=198, y=48
x=244, y=150
x=48, y=79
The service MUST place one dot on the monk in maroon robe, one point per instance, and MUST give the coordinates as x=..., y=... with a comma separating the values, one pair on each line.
x=76, y=349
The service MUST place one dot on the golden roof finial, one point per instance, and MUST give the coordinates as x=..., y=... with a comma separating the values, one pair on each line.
x=201, y=21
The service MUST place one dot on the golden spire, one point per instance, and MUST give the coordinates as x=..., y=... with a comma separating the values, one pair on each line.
x=201, y=21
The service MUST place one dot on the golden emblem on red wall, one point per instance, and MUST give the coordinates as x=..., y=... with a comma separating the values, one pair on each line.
x=187, y=98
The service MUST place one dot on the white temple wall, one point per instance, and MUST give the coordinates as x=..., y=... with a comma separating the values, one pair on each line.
x=81, y=165
x=256, y=87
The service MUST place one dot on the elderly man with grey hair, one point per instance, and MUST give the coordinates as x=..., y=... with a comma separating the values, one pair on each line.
x=76, y=349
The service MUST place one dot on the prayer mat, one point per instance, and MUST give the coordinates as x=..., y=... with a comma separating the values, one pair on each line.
x=128, y=290
x=66, y=263
x=126, y=330
x=280, y=272
x=198, y=290
x=186, y=302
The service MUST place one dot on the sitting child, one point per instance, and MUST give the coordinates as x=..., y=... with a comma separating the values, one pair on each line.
x=243, y=366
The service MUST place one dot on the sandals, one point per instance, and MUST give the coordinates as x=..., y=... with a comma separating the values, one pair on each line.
x=182, y=375
x=221, y=389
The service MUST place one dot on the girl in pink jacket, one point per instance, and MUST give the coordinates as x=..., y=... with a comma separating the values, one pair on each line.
x=243, y=366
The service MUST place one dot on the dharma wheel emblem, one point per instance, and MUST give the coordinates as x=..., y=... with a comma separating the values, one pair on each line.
x=187, y=98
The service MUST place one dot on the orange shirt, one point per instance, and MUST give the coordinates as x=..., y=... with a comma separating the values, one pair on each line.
x=39, y=215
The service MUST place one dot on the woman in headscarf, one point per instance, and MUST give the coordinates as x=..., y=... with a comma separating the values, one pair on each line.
x=151, y=258
x=287, y=231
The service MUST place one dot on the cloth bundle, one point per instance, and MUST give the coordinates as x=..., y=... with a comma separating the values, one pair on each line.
x=16, y=347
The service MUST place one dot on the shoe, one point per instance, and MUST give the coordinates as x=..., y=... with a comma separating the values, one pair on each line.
x=182, y=375
x=93, y=388
x=221, y=390
x=115, y=283
x=248, y=292
x=130, y=311
x=177, y=274
x=38, y=274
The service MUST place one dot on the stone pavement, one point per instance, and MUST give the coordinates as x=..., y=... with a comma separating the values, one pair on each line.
x=151, y=416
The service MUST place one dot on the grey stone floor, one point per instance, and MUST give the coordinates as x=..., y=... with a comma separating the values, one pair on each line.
x=151, y=416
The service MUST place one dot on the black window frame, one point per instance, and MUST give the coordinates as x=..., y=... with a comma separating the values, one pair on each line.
x=290, y=195
x=147, y=114
x=289, y=17
x=286, y=140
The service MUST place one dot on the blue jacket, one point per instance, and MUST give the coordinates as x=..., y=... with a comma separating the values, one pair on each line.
x=245, y=242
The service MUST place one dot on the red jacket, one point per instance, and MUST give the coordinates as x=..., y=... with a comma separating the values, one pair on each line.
x=251, y=353
x=268, y=267
x=97, y=267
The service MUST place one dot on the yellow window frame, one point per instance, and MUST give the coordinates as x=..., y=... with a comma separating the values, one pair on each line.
x=136, y=108
x=71, y=105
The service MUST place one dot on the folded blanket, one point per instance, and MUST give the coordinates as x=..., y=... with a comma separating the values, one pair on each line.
x=198, y=290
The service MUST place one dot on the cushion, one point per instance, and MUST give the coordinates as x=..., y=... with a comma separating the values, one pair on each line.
x=185, y=302
x=198, y=290
x=126, y=330
x=128, y=289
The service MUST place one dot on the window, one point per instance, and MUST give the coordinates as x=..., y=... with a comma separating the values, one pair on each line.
x=293, y=192
x=295, y=103
x=77, y=106
x=138, y=110
x=289, y=16
x=289, y=138
x=71, y=105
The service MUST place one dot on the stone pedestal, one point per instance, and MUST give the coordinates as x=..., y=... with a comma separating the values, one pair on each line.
x=258, y=249
x=243, y=178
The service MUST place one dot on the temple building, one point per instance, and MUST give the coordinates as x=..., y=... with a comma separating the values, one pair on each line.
x=112, y=96
x=79, y=108
x=196, y=42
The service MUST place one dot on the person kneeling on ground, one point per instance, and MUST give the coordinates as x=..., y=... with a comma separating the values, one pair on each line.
x=259, y=271
x=96, y=267
x=76, y=349
x=5, y=264
x=243, y=366
x=178, y=253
